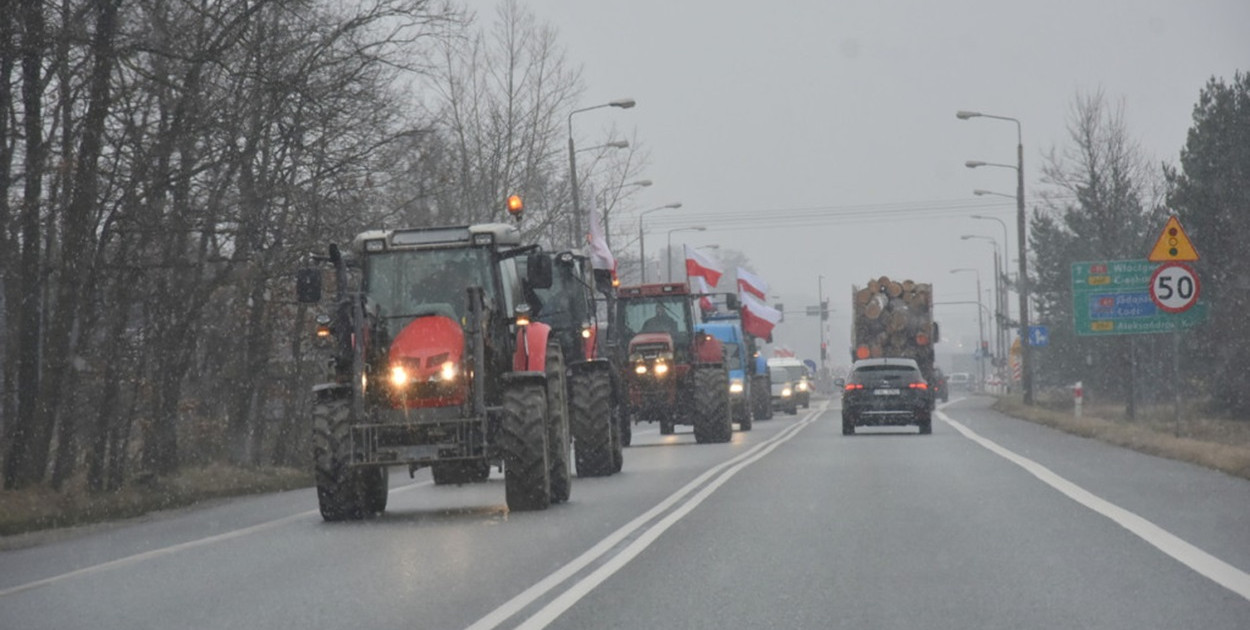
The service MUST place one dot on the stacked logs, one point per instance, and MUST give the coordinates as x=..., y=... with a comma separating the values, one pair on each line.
x=893, y=319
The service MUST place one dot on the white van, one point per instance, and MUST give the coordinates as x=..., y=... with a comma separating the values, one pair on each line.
x=797, y=372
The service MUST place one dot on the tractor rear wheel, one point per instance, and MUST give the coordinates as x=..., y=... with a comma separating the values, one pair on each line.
x=590, y=416
x=559, y=438
x=523, y=440
x=712, y=421
x=761, y=397
x=340, y=488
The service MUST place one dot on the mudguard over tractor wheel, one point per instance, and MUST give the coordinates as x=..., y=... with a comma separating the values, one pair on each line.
x=523, y=440
x=559, y=439
x=712, y=421
x=342, y=491
x=590, y=417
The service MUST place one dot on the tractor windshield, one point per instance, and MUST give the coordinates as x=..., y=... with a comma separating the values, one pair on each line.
x=564, y=305
x=408, y=283
x=670, y=314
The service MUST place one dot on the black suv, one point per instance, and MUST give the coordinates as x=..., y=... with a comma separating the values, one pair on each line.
x=886, y=392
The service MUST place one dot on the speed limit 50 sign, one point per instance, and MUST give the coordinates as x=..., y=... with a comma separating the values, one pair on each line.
x=1174, y=287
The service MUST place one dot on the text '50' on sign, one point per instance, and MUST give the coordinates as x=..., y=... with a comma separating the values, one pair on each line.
x=1174, y=287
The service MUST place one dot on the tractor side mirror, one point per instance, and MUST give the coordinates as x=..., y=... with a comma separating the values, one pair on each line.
x=936, y=336
x=308, y=285
x=839, y=382
x=603, y=280
x=538, y=271
x=731, y=301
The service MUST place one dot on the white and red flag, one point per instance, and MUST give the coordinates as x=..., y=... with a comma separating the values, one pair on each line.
x=702, y=265
x=758, y=318
x=751, y=283
x=600, y=256
x=699, y=285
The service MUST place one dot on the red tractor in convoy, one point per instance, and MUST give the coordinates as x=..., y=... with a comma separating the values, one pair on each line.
x=673, y=373
x=572, y=310
x=434, y=362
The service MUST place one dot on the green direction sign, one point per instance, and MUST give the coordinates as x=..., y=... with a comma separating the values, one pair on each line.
x=1113, y=298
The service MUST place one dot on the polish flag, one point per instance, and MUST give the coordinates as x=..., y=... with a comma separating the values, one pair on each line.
x=699, y=285
x=751, y=283
x=758, y=318
x=699, y=264
x=600, y=256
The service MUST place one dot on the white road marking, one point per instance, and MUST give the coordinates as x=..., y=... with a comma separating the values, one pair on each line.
x=581, y=588
x=1204, y=563
x=164, y=551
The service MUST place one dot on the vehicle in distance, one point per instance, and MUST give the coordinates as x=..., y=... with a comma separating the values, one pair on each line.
x=959, y=380
x=782, y=390
x=886, y=392
x=796, y=373
x=939, y=386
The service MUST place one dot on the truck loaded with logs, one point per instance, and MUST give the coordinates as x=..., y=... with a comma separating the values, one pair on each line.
x=894, y=319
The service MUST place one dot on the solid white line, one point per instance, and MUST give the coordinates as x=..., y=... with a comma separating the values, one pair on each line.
x=583, y=587
x=164, y=551
x=1204, y=563
x=531, y=594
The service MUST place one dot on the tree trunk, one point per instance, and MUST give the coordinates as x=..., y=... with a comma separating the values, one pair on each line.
x=27, y=458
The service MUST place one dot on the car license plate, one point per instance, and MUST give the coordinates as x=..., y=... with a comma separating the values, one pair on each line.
x=886, y=392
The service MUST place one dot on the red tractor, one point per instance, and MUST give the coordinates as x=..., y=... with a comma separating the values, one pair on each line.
x=434, y=362
x=673, y=373
x=570, y=306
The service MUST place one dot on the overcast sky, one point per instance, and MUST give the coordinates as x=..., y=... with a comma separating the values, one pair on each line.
x=762, y=107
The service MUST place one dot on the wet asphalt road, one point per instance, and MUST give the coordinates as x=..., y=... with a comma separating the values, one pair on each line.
x=988, y=523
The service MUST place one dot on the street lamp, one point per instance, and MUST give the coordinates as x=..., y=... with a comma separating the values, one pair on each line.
x=603, y=206
x=615, y=144
x=980, y=326
x=998, y=291
x=642, y=247
x=1001, y=279
x=693, y=228
x=1026, y=362
x=623, y=103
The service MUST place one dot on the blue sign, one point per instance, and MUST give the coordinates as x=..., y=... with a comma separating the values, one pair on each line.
x=1039, y=336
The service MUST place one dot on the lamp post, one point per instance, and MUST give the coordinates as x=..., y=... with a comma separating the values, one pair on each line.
x=998, y=293
x=1026, y=362
x=1004, y=307
x=693, y=228
x=642, y=247
x=603, y=206
x=980, y=326
x=623, y=103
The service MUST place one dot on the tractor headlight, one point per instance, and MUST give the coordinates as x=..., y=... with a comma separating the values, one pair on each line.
x=802, y=386
x=735, y=386
x=661, y=368
x=447, y=372
x=640, y=368
x=399, y=375
x=786, y=392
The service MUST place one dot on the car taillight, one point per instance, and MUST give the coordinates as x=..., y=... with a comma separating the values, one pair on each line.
x=851, y=386
x=919, y=385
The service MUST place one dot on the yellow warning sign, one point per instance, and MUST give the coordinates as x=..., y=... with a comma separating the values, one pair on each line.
x=1173, y=244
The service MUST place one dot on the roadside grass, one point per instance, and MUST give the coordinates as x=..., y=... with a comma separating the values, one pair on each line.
x=1222, y=445
x=42, y=508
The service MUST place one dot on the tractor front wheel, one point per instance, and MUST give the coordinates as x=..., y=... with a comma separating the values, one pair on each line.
x=523, y=440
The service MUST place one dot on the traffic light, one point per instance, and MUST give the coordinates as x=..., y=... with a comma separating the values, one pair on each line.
x=824, y=351
x=824, y=311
